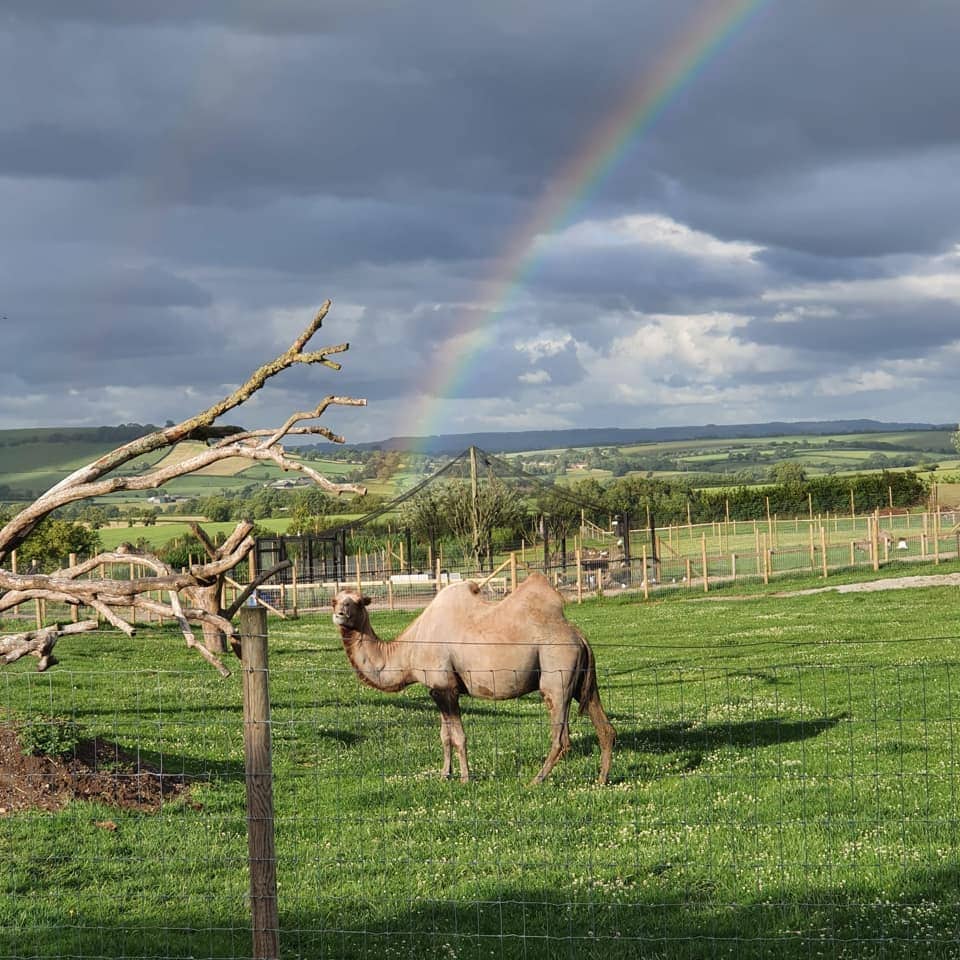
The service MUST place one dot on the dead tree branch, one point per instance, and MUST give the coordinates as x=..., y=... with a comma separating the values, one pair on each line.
x=202, y=584
x=40, y=643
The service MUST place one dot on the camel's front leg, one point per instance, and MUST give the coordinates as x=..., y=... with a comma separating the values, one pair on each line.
x=452, y=736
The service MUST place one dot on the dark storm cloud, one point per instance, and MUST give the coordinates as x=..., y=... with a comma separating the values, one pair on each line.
x=487, y=98
x=643, y=278
x=898, y=330
x=857, y=209
x=125, y=345
x=802, y=266
x=279, y=16
x=179, y=180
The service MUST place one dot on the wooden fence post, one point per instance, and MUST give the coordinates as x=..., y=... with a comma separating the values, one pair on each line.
x=74, y=609
x=258, y=765
x=13, y=569
x=293, y=587
x=823, y=550
x=703, y=559
x=579, y=576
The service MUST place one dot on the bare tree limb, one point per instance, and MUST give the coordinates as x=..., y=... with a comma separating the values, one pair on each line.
x=207, y=655
x=92, y=480
x=261, y=578
x=321, y=408
x=112, y=618
x=40, y=643
x=202, y=584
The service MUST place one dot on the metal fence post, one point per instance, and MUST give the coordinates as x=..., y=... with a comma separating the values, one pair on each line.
x=258, y=765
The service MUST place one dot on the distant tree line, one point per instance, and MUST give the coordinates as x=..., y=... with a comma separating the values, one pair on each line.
x=870, y=491
x=669, y=501
x=123, y=433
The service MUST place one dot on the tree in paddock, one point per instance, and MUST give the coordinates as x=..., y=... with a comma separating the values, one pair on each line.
x=195, y=595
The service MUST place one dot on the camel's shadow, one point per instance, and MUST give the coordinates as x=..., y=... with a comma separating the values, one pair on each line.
x=764, y=732
x=690, y=742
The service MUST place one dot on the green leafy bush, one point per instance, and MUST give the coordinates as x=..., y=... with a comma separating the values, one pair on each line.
x=49, y=736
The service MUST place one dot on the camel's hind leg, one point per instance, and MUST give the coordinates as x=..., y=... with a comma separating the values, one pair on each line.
x=558, y=705
x=452, y=736
x=605, y=732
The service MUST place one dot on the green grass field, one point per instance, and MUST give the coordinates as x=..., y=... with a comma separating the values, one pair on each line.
x=784, y=785
x=30, y=462
x=165, y=530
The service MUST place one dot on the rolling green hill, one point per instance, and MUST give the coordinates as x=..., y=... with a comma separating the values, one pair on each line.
x=32, y=461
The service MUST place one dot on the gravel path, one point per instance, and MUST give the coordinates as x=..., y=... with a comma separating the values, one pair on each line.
x=893, y=583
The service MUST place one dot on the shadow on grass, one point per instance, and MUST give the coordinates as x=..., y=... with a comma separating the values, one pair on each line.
x=689, y=743
x=654, y=915
x=765, y=732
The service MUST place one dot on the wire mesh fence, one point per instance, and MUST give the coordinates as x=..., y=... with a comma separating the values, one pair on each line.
x=592, y=560
x=590, y=577
x=802, y=810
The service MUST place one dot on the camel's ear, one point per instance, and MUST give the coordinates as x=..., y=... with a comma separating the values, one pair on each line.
x=366, y=601
x=333, y=602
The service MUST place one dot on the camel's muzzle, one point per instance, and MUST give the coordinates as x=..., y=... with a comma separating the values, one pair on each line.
x=345, y=615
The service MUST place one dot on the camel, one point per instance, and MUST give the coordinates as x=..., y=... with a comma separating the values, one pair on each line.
x=462, y=644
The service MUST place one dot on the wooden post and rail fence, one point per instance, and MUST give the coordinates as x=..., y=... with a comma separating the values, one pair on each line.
x=675, y=555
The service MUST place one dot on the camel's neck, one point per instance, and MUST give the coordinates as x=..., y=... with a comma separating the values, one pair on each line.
x=376, y=663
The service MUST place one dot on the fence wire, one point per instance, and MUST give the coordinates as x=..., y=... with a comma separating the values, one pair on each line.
x=753, y=811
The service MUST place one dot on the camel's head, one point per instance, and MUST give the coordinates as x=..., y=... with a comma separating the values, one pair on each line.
x=350, y=609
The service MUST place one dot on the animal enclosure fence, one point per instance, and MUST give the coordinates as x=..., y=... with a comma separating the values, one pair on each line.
x=695, y=557
x=679, y=559
x=798, y=810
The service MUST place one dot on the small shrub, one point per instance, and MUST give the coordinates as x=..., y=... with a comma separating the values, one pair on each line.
x=49, y=736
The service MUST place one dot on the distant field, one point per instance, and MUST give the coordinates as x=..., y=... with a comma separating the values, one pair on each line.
x=38, y=466
x=164, y=531
x=925, y=440
x=841, y=453
x=30, y=463
x=184, y=451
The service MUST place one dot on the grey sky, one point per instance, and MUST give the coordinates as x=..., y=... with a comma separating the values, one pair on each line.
x=182, y=184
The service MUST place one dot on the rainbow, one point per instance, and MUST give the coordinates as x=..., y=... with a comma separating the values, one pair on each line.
x=703, y=37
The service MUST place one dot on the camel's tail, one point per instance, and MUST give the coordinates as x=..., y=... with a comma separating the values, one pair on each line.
x=589, y=697
x=588, y=680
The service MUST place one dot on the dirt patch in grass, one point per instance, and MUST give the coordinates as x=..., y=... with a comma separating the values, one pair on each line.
x=95, y=770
